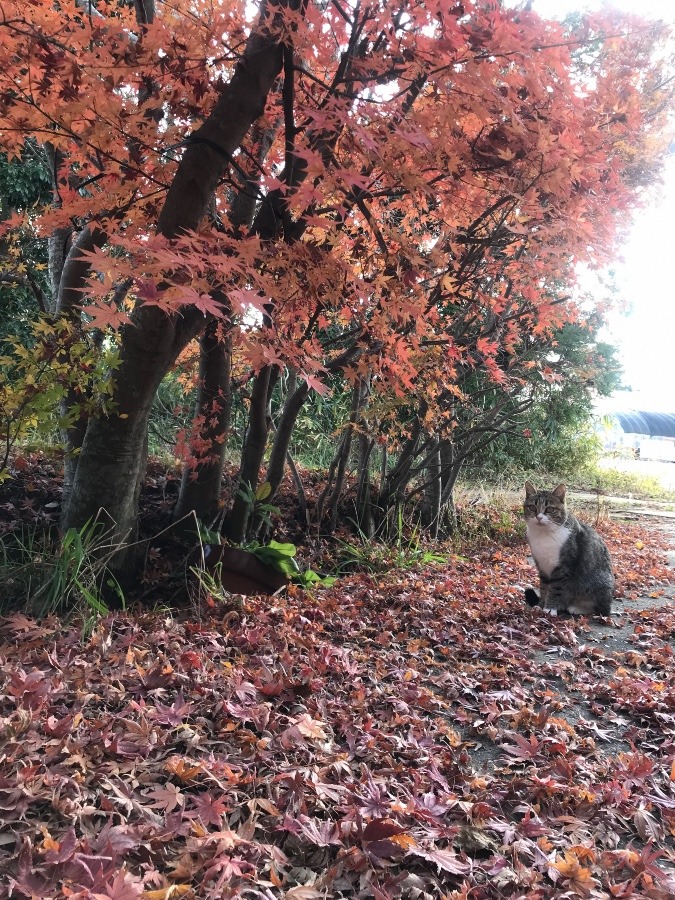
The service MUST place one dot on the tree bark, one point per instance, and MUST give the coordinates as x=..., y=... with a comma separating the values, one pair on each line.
x=58, y=246
x=358, y=398
x=397, y=477
x=251, y=458
x=73, y=272
x=303, y=511
x=200, y=487
x=431, y=508
x=450, y=470
x=282, y=438
x=112, y=461
x=364, y=500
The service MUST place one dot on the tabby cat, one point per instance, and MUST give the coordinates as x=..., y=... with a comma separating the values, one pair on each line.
x=575, y=571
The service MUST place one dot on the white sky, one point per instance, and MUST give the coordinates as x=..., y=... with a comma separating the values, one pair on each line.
x=645, y=335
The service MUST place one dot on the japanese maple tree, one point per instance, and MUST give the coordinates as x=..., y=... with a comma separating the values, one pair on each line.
x=388, y=192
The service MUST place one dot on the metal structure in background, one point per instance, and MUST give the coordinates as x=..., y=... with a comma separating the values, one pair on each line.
x=647, y=423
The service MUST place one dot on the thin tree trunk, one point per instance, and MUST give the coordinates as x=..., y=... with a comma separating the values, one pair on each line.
x=450, y=472
x=330, y=479
x=431, y=507
x=200, y=487
x=251, y=457
x=282, y=438
x=397, y=477
x=303, y=511
x=58, y=246
x=358, y=398
x=364, y=500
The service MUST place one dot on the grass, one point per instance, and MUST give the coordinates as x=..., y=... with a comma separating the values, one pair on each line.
x=623, y=484
x=592, y=479
x=42, y=576
x=404, y=551
x=485, y=515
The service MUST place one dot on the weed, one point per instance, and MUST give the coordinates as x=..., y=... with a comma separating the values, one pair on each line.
x=261, y=512
x=371, y=555
x=210, y=589
x=613, y=481
x=42, y=577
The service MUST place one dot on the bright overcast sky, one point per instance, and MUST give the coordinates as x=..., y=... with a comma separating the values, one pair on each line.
x=645, y=336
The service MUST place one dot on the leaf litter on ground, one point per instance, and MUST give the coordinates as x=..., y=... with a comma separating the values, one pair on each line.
x=412, y=734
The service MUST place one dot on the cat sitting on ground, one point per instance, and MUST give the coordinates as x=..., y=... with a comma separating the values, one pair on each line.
x=575, y=571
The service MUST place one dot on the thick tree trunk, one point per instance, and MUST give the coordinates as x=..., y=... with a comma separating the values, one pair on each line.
x=73, y=271
x=200, y=487
x=111, y=462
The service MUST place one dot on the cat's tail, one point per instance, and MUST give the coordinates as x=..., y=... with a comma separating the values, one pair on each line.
x=531, y=597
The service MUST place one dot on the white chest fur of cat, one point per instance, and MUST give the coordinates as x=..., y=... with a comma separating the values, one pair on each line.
x=546, y=539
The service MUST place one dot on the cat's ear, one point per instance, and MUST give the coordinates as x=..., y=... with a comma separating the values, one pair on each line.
x=530, y=489
x=559, y=492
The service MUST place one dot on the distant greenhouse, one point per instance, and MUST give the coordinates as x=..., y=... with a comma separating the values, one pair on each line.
x=650, y=424
x=649, y=435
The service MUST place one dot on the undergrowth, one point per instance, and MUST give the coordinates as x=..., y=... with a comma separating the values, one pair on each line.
x=613, y=481
x=41, y=575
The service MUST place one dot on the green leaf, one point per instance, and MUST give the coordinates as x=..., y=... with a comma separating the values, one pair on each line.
x=264, y=490
x=206, y=535
x=283, y=549
x=287, y=566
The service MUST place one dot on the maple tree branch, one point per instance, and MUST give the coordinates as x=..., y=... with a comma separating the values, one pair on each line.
x=290, y=131
x=341, y=11
x=145, y=11
x=76, y=270
x=379, y=237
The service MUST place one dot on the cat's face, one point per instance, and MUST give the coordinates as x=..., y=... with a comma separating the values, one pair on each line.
x=545, y=507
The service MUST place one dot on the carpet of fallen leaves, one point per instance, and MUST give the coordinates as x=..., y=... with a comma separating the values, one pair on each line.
x=414, y=735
